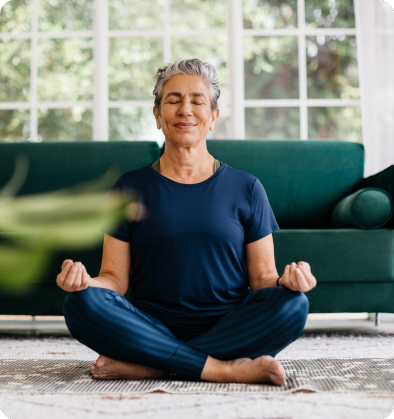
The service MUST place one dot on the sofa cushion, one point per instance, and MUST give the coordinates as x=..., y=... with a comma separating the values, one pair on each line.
x=54, y=165
x=338, y=255
x=366, y=208
x=304, y=180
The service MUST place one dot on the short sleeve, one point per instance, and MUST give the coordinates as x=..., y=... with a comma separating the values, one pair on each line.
x=122, y=230
x=261, y=220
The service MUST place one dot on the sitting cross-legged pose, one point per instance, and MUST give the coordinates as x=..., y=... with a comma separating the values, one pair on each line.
x=206, y=301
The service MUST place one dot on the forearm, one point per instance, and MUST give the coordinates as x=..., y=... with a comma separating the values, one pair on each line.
x=108, y=281
x=264, y=282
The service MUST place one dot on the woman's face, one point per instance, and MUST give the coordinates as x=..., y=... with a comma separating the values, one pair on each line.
x=185, y=110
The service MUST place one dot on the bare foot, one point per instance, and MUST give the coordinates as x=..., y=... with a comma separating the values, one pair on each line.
x=264, y=369
x=107, y=368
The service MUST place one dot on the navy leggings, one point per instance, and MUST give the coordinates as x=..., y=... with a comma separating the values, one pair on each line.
x=267, y=321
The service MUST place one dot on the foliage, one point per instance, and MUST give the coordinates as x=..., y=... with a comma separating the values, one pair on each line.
x=198, y=14
x=268, y=123
x=136, y=14
x=33, y=227
x=335, y=123
x=15, y=16
x=270, y=64
x=271, y=67
x=65, y=69
x=132, y=65
x=14, y=70
x=269, y=14
x=65, y=15
x=65, y=124
x=329, y=13
x=332, y=67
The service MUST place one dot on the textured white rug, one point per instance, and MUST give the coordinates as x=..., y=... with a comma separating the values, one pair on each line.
x=296, y=405
x=320, y=375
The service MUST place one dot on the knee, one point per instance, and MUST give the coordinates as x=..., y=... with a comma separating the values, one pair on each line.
x=81, y=308
x=298, y=308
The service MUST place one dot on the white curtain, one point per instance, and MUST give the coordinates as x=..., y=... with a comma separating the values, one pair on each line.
x=375, y=38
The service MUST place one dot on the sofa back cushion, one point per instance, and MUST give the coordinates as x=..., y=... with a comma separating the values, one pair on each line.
x=304, y=180
x=55, y=165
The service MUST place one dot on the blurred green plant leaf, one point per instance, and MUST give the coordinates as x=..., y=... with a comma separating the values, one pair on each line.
x=33, y=227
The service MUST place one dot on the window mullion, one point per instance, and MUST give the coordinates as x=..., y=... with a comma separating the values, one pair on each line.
x=167, y=35
x=236, y=61
x=34, y=73
x=100, y=57
x=302, y=73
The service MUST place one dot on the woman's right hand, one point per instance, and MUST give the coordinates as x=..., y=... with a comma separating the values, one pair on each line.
x=73, y=276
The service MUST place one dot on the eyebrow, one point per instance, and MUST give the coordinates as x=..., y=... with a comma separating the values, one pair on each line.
x=178, y=94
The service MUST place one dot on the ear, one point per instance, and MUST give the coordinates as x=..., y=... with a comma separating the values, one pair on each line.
x=214, y=117
x=157, y=117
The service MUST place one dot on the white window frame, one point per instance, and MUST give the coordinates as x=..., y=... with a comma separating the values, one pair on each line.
x=235, y=64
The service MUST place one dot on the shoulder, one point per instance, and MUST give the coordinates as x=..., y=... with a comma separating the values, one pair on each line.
x=133, y=176
x=134, y=179
x=240, y=177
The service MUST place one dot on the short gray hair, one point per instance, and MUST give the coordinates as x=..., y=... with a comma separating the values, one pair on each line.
x=190, y=66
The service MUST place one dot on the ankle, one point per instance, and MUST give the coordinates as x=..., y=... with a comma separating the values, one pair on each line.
x=217, y=371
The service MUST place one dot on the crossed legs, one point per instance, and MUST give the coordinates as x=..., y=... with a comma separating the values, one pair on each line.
x=239, y=348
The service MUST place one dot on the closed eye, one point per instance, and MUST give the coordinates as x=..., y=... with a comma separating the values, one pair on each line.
x=195, y=103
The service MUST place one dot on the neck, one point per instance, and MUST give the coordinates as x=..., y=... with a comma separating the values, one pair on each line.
x=187, y=164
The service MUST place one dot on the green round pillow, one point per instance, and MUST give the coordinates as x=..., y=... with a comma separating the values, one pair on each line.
x=367, y=208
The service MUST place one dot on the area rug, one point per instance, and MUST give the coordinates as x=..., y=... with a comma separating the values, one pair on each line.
x=317, y=375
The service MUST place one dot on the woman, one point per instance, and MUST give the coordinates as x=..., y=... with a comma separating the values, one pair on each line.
x=192, y=310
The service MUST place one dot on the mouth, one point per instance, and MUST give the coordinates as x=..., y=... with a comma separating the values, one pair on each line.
x=185, y=125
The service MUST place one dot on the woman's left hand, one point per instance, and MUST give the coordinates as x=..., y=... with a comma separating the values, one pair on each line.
x=298, y=277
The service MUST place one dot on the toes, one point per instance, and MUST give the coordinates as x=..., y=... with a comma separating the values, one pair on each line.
x=101, y=361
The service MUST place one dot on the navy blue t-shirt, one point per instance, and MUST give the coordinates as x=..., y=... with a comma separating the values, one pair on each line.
x=187, y=249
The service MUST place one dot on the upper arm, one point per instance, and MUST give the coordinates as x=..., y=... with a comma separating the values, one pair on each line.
x=116, y=261
x=260, y=260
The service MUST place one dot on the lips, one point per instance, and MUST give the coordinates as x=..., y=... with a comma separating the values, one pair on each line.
x=184, y=125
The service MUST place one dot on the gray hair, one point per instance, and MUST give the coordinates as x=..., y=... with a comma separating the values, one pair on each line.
x=189, y=66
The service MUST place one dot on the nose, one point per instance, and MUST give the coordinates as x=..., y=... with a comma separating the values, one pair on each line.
x=185, y=109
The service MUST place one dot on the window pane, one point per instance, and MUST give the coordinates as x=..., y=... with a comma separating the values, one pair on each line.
x=136, y=14
x=271, y=67
x=15, y=70
x=272, y=123
x=65, y=69
x=67, y=15
x=14, y=125
x=134, y=124
x=329, y=13
x=133, y=63
x=332, y=67
x=335, y=123
x=65, y=124
x=211, y=49
x=15, y=16
x=269, y=14
x=198, y=14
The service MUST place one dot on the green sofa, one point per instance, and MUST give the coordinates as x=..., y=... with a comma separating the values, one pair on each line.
x=304, y=181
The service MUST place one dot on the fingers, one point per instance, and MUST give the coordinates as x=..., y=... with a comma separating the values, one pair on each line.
x=78, y=278
x=298, y=277
x=293, y=276
x=71, y=276
x=63, y=274
x=303, y=285
x=85, y=279
x=306, y=270
x=287, y=279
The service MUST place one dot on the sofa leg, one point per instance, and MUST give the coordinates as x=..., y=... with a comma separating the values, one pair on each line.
x=377, y=319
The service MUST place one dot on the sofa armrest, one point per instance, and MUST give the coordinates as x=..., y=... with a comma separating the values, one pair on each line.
x=382, y=180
